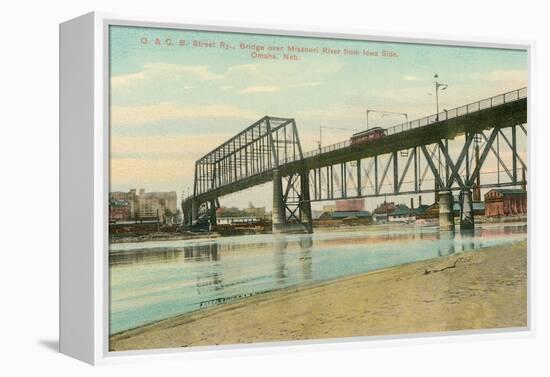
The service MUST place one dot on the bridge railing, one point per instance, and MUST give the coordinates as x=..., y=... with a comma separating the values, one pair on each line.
x=486, y=103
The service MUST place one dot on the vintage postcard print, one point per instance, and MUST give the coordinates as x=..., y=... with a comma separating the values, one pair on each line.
x=268, y=188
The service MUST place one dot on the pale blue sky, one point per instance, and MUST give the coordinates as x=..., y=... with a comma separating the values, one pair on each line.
x=172, y=104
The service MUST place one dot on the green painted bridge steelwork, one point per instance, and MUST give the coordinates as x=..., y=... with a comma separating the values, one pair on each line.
x=441, y=153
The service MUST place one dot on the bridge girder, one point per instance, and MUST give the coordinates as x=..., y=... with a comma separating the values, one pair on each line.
x=260, y=148
x=415, y=157
x=445, y=165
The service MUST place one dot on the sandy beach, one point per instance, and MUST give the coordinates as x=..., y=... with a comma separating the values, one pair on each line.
x=483, y=289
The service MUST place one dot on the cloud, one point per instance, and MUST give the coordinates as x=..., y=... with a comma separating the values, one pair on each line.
x=158, y=162
x=201, y=71
x=334, y=111
x=244, y=68
x=158, y=71
x=138, y=172
x=502, y=80
x=260, y=89
x=505, y=75
x=305, y=84
x=122, y=80
x=275, y=88
x=410, y=78
x=129, y=115
x=180, y=146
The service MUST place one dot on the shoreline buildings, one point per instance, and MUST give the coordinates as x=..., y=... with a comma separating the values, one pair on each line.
x=133, y=205
x=505, y=202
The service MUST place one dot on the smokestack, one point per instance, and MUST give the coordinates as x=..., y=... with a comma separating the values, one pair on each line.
x=412, y=206
x=476, y=193
x=419, y=200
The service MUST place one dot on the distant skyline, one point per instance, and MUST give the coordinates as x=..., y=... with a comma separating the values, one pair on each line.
x=172, y=104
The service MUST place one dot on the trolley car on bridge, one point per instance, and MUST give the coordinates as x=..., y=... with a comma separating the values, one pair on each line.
x=367, y=136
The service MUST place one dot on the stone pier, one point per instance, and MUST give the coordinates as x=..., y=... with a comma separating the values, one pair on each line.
x=466, y=210
x=446, y=217
x=213, y=219
x=305, y=204
x=278, y=212
x=194, y=211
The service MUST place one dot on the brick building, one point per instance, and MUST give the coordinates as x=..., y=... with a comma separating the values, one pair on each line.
x=350, y=205
x=147, y=205
x=119, y=210
x=161, y=204
x=129, y=197
x=505, y=202
x=382, y=212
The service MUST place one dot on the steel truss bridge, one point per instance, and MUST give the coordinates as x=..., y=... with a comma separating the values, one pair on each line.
x=463, y=149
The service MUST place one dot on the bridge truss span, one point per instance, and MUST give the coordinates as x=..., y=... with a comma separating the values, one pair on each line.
x=268, y=143
x=473, y=160
x=475, y=146
x=252, y=157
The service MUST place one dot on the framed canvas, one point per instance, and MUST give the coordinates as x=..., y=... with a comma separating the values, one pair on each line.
x=244, y=186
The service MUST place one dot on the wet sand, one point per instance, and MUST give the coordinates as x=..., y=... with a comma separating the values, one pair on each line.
x=485, y=289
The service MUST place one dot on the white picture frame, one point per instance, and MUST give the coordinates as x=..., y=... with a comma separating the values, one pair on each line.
x=84, y=178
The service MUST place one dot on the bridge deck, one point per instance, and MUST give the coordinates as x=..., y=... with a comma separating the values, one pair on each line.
x=482, y=115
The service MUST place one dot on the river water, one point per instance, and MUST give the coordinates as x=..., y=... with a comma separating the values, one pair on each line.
x=151, y=281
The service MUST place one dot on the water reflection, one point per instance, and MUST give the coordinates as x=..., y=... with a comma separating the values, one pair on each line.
x=209, y=281
x=467, y=236
x=199, y=252
x=306, y=259
x=159, y=255
x=156, y=280
x=446, y=245
x=280, y=244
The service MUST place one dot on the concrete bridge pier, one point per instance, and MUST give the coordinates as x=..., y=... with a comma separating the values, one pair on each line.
x=213, y=218
x=446, y=217
x=305, y=203
x=188, y=218
x=194, y=211
x=187, y=213
x=184, y=213
x=278, y=213
x=466, y=210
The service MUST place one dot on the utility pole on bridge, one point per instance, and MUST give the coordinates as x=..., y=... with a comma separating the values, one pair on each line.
x=438, y=85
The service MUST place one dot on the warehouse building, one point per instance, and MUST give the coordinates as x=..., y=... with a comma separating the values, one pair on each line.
x=505, y=202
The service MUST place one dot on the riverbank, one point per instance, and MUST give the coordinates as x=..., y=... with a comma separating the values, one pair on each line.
x=162, y=236
x=340, y=227
x=475, y=290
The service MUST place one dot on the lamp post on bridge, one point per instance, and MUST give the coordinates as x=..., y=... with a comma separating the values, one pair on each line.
x=438, y=86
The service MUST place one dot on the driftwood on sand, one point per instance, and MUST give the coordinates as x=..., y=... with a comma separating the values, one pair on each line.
x=461, y=259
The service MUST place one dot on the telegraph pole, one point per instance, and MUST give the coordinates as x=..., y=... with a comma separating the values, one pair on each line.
x=438, y=86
